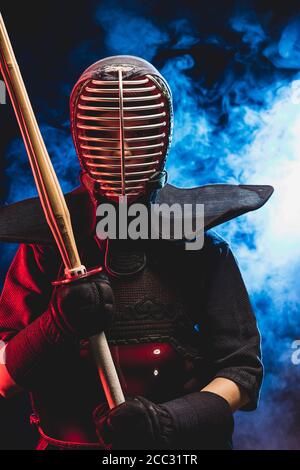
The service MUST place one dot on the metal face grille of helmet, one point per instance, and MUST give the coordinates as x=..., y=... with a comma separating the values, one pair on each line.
x=121, y=118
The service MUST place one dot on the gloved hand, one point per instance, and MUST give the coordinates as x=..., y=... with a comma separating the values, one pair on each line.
x=77, y=310
x=83, y=308
x=200, y=420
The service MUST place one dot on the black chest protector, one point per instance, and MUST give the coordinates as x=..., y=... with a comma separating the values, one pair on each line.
x=154, y=304
x=156, y=339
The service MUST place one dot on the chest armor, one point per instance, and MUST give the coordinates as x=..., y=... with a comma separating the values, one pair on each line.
x=155, y=341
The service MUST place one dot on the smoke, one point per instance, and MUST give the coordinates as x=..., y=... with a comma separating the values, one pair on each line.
x=121, y=29
x=235, y=78
x=63, y=156
x=286, y=53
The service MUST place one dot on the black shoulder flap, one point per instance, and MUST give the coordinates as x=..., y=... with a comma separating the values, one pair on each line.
x=24, y=221
x=222, y=202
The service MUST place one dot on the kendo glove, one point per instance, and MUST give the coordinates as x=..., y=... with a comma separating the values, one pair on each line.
x=76, y=311
x=200, y=420
x=82, y=308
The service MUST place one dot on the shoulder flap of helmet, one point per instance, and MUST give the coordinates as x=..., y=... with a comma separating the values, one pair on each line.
x=24, y=221
x=222, y=202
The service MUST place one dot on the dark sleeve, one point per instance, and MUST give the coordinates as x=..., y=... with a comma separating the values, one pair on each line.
x=233, y=336
x=27, y=288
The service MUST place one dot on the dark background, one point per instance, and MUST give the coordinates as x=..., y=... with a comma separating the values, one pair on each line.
x=232, y=66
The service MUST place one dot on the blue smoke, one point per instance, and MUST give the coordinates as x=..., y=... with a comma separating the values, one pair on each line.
x=239, y=123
